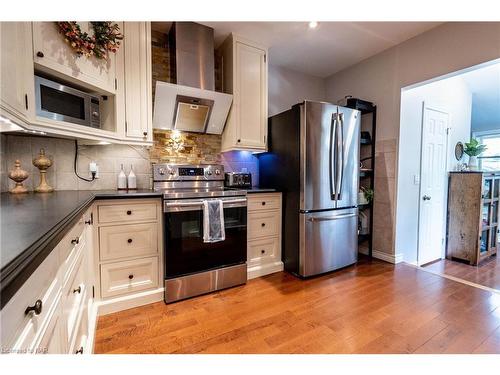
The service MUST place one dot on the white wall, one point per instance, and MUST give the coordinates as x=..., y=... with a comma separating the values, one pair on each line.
x=449, y=95
x=442, y=50
x=287, y=87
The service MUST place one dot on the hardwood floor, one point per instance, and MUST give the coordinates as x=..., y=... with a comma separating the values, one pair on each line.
x=486, y=274
x=374, y=307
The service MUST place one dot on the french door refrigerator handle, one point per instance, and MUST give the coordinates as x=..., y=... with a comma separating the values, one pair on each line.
x=333, y=157
x=329, y=218
x=340, y=158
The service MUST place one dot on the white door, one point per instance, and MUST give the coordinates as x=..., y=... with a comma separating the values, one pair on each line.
x=433, y=176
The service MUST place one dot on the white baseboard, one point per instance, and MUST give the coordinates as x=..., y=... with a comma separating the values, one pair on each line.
x=128, y=302
x=391, y=258
x=264, y=269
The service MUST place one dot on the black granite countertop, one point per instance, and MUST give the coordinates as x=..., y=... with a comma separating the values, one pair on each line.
x=32, y=224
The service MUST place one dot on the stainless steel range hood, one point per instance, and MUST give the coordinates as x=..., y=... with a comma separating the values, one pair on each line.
x=191, y=102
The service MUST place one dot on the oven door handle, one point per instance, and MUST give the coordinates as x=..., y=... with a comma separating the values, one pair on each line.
x=199, y=203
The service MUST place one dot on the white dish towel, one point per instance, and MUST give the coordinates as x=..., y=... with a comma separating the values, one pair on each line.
x=213, y=221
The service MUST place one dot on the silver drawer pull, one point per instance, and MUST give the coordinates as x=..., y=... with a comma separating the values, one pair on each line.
x=329, y=218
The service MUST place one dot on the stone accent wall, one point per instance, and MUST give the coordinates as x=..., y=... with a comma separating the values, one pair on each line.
x=172, y=146
x=160, y=59
x=384, y=203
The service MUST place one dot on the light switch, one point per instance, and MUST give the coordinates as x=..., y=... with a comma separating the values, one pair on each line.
x=416, y=179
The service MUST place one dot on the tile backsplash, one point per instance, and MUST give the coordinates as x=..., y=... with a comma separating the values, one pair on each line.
x=169, y=147
x=61, y=174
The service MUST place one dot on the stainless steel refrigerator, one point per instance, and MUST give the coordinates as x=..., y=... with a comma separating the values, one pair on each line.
x=313, y=159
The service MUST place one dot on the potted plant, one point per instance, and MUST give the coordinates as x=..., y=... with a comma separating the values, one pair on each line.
x=473, y=149
x=365, y=196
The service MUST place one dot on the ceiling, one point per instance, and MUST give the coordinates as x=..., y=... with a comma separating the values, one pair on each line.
x=484, y=84
x=325, y=50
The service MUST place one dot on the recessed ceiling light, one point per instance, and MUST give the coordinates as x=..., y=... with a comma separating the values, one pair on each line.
x=313, y=24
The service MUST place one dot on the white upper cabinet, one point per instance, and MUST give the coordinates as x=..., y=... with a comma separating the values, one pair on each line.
x=16, y=69
x=138, y=86
x=51, y=53
x=245, y=76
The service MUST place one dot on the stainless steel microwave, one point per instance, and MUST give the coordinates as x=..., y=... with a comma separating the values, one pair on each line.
x=63, y=103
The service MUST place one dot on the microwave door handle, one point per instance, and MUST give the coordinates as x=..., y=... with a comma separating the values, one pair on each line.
x=333, y=156
x=340, y=158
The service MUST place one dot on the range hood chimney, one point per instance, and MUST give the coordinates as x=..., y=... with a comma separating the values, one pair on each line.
x=192, y=55
x=191, y=103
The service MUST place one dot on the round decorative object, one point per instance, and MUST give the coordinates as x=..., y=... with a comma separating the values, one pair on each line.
x=18, y=175
x=106, y=38
x=459, y=151
x=43, y=163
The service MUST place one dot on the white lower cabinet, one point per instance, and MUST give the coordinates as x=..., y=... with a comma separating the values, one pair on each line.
x=47, y=312
x=264, y=234
x=128, y=253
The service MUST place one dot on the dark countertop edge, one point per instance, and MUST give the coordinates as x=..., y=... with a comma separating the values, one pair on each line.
x=15, y=273
x=262, y=191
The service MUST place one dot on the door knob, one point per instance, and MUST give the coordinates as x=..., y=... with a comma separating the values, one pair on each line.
x=426, y=198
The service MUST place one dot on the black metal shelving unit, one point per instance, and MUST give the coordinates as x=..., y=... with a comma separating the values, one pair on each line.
x=367, y=174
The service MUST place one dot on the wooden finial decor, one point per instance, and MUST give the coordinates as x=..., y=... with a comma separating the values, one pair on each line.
x=43, y=163
x=18, y=175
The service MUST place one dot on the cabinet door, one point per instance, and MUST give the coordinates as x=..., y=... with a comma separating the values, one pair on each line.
x=16, y=68
x=51, y=53
x=250, y=96
x=138, y=101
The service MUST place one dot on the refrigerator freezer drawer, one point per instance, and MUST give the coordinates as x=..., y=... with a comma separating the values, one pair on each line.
x=328, y=241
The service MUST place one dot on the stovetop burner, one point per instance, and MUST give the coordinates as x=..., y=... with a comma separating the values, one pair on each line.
x=180, y=181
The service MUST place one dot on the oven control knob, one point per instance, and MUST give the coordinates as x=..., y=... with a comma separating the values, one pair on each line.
x=172, y=172
x=209, y=173
x=217, y=172
x=161, y=171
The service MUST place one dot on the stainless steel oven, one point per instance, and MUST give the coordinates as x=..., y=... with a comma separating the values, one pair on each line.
x=59, y=102
x=184, y=247
x=192, y=266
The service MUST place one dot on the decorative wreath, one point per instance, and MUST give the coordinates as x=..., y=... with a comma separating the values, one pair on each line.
x=106, y=38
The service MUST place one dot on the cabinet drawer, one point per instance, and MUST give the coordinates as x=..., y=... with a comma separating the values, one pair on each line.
x=42, y=284
x=74, y=297
x=127, y=212
x=128, y=240
x=129, y=276
x=263, y=224
x=35, y=325
x=260, y=251
x=69, y=247
x=79, y=345
x=261, y=202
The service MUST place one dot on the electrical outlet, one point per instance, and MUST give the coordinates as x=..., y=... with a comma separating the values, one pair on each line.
x=94, y=168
